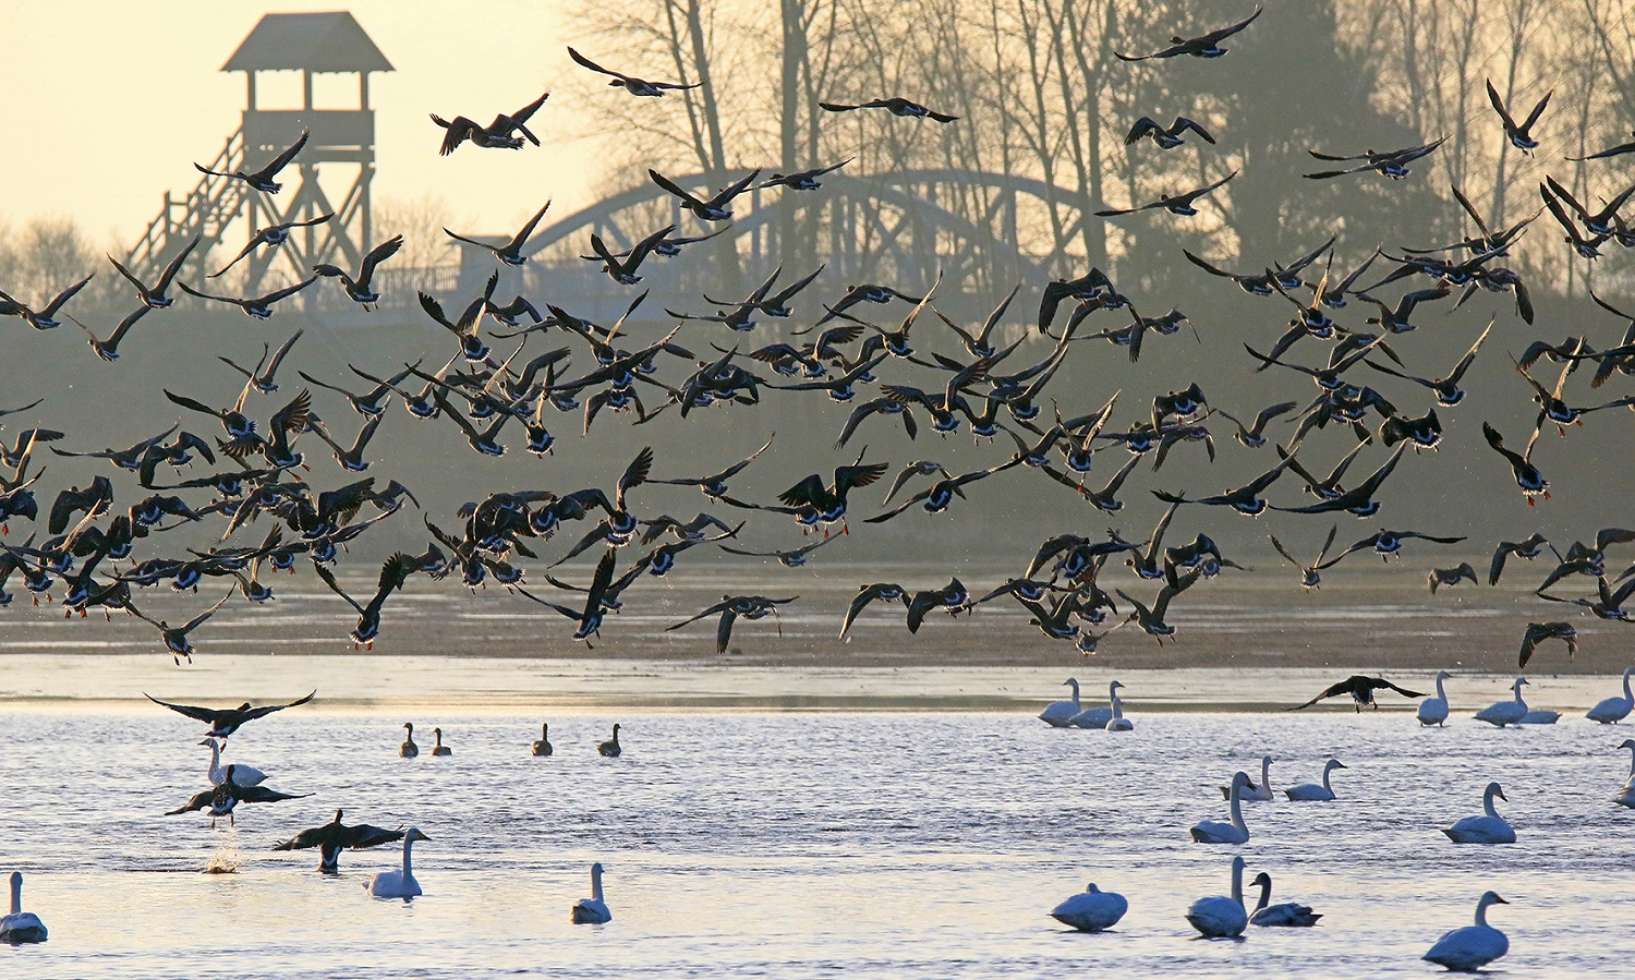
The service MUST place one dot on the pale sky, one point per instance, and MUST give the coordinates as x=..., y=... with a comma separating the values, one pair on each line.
x=110, y=103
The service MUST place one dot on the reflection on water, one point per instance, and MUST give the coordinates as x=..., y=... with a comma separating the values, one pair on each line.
x=929, y=844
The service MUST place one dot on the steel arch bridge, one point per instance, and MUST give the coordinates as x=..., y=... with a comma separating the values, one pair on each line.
x=985, y=231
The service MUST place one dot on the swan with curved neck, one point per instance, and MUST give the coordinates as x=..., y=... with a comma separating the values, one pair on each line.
x=1627, y=796
x=1489, y=828
x=1474, y=946
x=1057, y=714
x=400, y=883
x=20, y=926
x=1260, y=793
x=611, y=748
x=1313, y=793
x=1613, y=710
x=1434, y=711
x=1504, y=713
x=1118, y=723
x=1219, y=917
x=1096, y=716
x=1091, y=910
x=1236, y=832
x=408, y=749
x=593, y=909
x=243, y=775
x=1285, y=914
x=440, y=748
x=542, y=745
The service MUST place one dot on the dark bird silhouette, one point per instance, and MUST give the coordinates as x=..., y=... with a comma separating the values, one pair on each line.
x=1203, y=46
x=1361, y=688
x=630, y=83
x=499, y=134
x=264, y=179
x=897, y=106
x=224, y=722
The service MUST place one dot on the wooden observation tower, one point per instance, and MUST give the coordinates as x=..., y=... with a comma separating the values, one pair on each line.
x=341, y=148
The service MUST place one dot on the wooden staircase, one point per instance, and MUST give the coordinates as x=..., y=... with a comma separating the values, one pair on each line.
x=206, y=211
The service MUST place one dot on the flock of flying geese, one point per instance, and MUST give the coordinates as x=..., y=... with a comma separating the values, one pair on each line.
x=482, y=392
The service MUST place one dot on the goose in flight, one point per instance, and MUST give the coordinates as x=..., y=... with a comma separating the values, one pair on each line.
x=1311, y=576
x=264, y=377
x=1285, y=914
x=158, y=295
x=895, y=105
x=1179, y=204
x=1528, y=477
x=400, y=883
x=176, y=637
x=361, y=289
x=1520, y=135
x=108, y=349
x=394, y=571
x=254, y=307
x=803, y=180
x=1489, y=828
x=630, y=83
x=1473, y=947
x=1439, y=577
x=1434, y=710
x=731, y=608
x=1203, y=46
x=334, y=837
x=1166, y=138
x=621, y=268
x=1611, y=151
x=271, y=236
x=223, y=799
x=224, y=722
x=509, y=252
x=884, y=591
x=44, y=318
x=1091, y=910
x=594, y=909
x=1361, y=688
x=20, y=927
x=1537, y=633
x=263, y=179
x=1392, y=163
x=713, y=208
x=499, y=134
x=1315, y=792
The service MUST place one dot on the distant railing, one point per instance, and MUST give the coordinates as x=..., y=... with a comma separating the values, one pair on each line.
x=206, y=210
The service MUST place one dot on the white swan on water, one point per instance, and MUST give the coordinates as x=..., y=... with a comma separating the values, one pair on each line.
x=593, y=909
x=1627, y=796
x=1220, y=917
x=1434, y=711
x=1312, y=792
x=1502, y=713
x=243, y=775
x=1261, y=793
x=1489, y=828
x=20, y=926
x=1058, y=713
x=1236, y=832
x=1119, y=723
x=1285, y=914
x=398, y=884
x=1613, y=710
x=1472, y=947
x=1091, y=910
x=1099, y=715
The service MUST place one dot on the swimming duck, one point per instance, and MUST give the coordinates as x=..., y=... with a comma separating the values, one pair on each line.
x=1489, y=828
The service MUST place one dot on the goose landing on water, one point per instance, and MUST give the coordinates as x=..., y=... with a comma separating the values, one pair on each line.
x=1312, y=792
x=1058, y=714
x=593, y=909
x=1091, y=910
x=19, y=926
x=401, y=883
x=1220, y=917
x=1489, y=828
x=1473, y=947
x=1236, y=832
